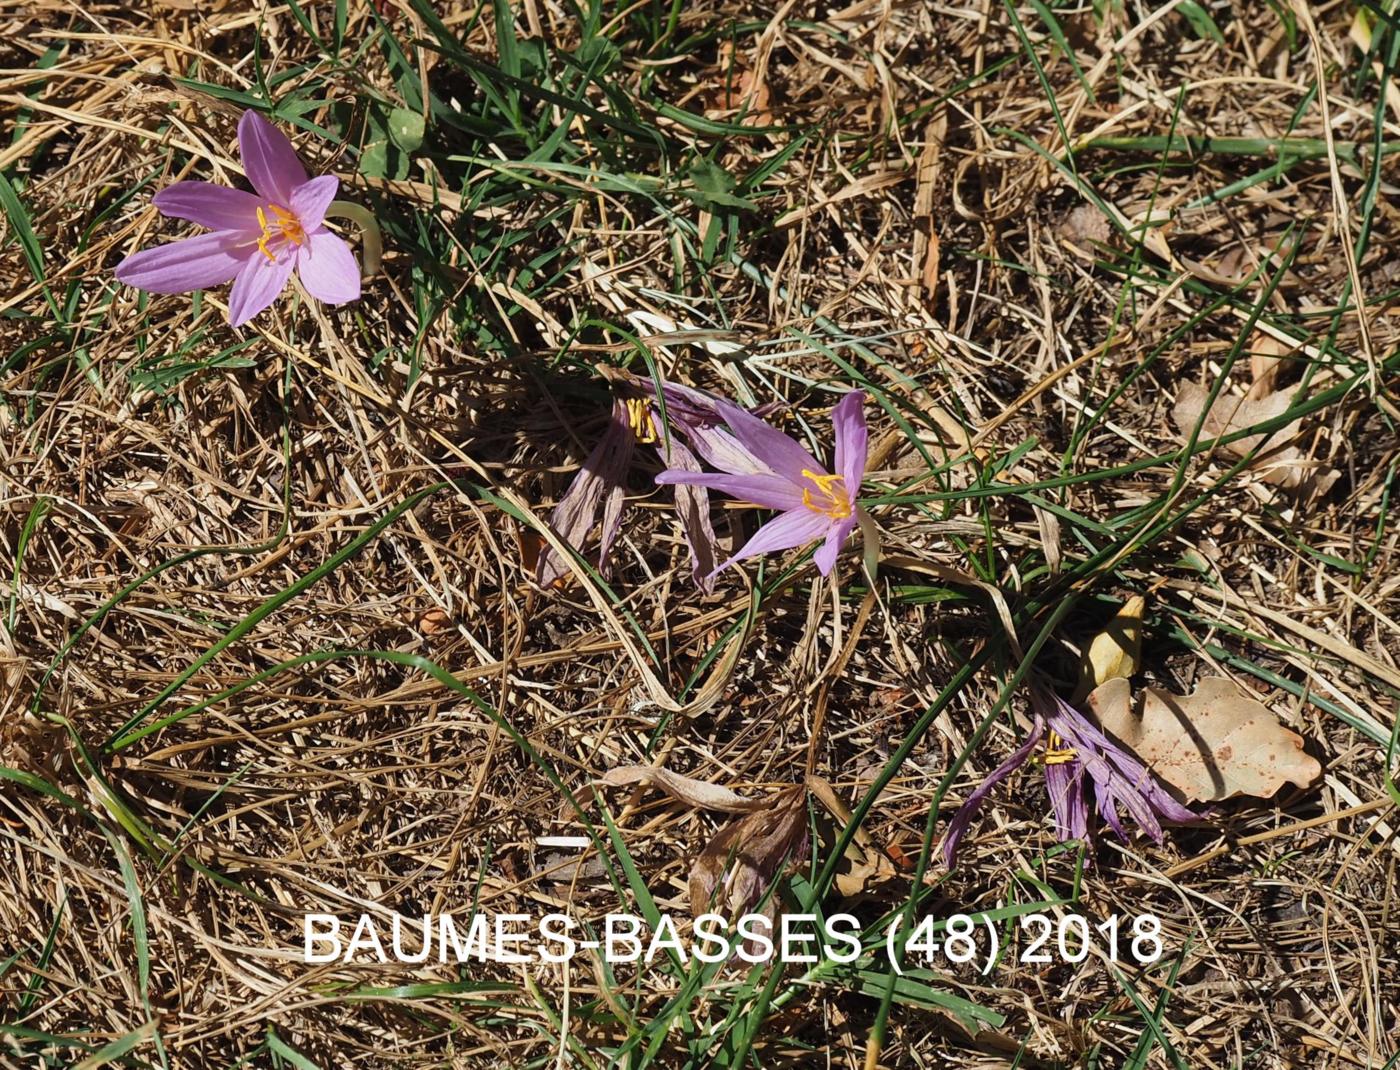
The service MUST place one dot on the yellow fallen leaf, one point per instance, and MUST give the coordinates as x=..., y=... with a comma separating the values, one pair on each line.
x=1115, y=651
x=1213, y=744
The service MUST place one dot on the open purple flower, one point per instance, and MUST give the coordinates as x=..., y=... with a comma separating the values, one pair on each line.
x=693, y=420
x=774, y=472
x=1079, y=758
x=256, y=239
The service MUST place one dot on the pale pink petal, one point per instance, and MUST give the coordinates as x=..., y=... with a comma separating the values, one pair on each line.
x=852, y=440
x=725, y=452
x=190, y=264
x=311, y=199
x=770, y=446
x=769, y=491
x=269, y=159
x=795, y=528
x=257, y=286
x=327, y=268
x=215, y=207
x=825, y=557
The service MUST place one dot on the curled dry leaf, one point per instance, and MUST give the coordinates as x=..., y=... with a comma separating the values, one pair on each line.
x=737, y=867
x=1266, y=360
x=686, y=789
x=863, y=863
x=1213, y=744
x=1280, y=463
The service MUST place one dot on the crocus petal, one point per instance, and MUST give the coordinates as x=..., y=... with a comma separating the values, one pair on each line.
x=601, y=476
x=968, y=810
x=1118, y=777
x=852, y=439
x=795, y=528
x=836, y=537
x=189, y=264
x=310, y=200
x=215, y=207
x=722, y=450
x=769, y=491
x=1106, y=798
x=693, y=508
x=684, y=402
x=697, y=415
x=327, y=268
x=269, y=159
x=1163, y=802
x=770, y=446
x=257, y=286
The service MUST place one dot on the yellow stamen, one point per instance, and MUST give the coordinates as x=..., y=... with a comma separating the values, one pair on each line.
x=639, y=417
x=285, y=225
x=833, y=488
x=1056, y=753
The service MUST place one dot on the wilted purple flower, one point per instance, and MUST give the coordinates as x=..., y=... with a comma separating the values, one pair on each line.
x=256, y=239
x=692, y=415
x=1075, y=746
x=774, y=472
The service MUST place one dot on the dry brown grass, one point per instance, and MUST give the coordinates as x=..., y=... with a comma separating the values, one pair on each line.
x=987, y=301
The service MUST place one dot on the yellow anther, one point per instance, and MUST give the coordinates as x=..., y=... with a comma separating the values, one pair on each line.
x=639, y=418
x=286, y=225
x=1056, y=753
x=837, y=503
x=262, y=242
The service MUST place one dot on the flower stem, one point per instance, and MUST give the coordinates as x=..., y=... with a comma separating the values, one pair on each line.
x=370, y=237
x=870, y=542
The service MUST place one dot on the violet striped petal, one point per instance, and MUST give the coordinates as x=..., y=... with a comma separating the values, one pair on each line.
x=1163, y=801
x=968, y=810
x=697, y=415
x=1064, y=782
x=269, y=159
x=327, y=268
x=1119, y=778
x=257, y=286
x=725, y=452
x=1106, y=801
x=189, y=264
x=215, y=207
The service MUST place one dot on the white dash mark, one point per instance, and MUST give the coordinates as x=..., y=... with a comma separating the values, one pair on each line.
x=563, y=841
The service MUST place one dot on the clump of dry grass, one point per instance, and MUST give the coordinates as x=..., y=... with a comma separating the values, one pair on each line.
x=913, y=227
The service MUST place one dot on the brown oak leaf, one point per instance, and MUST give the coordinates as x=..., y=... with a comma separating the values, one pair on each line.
x=1280, y=462
x=1213, y=744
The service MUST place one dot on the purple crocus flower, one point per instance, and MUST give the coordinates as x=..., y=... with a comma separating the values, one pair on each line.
x=693, y=420
x=774, y=472
x=255, y=239
x=1075, y=746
